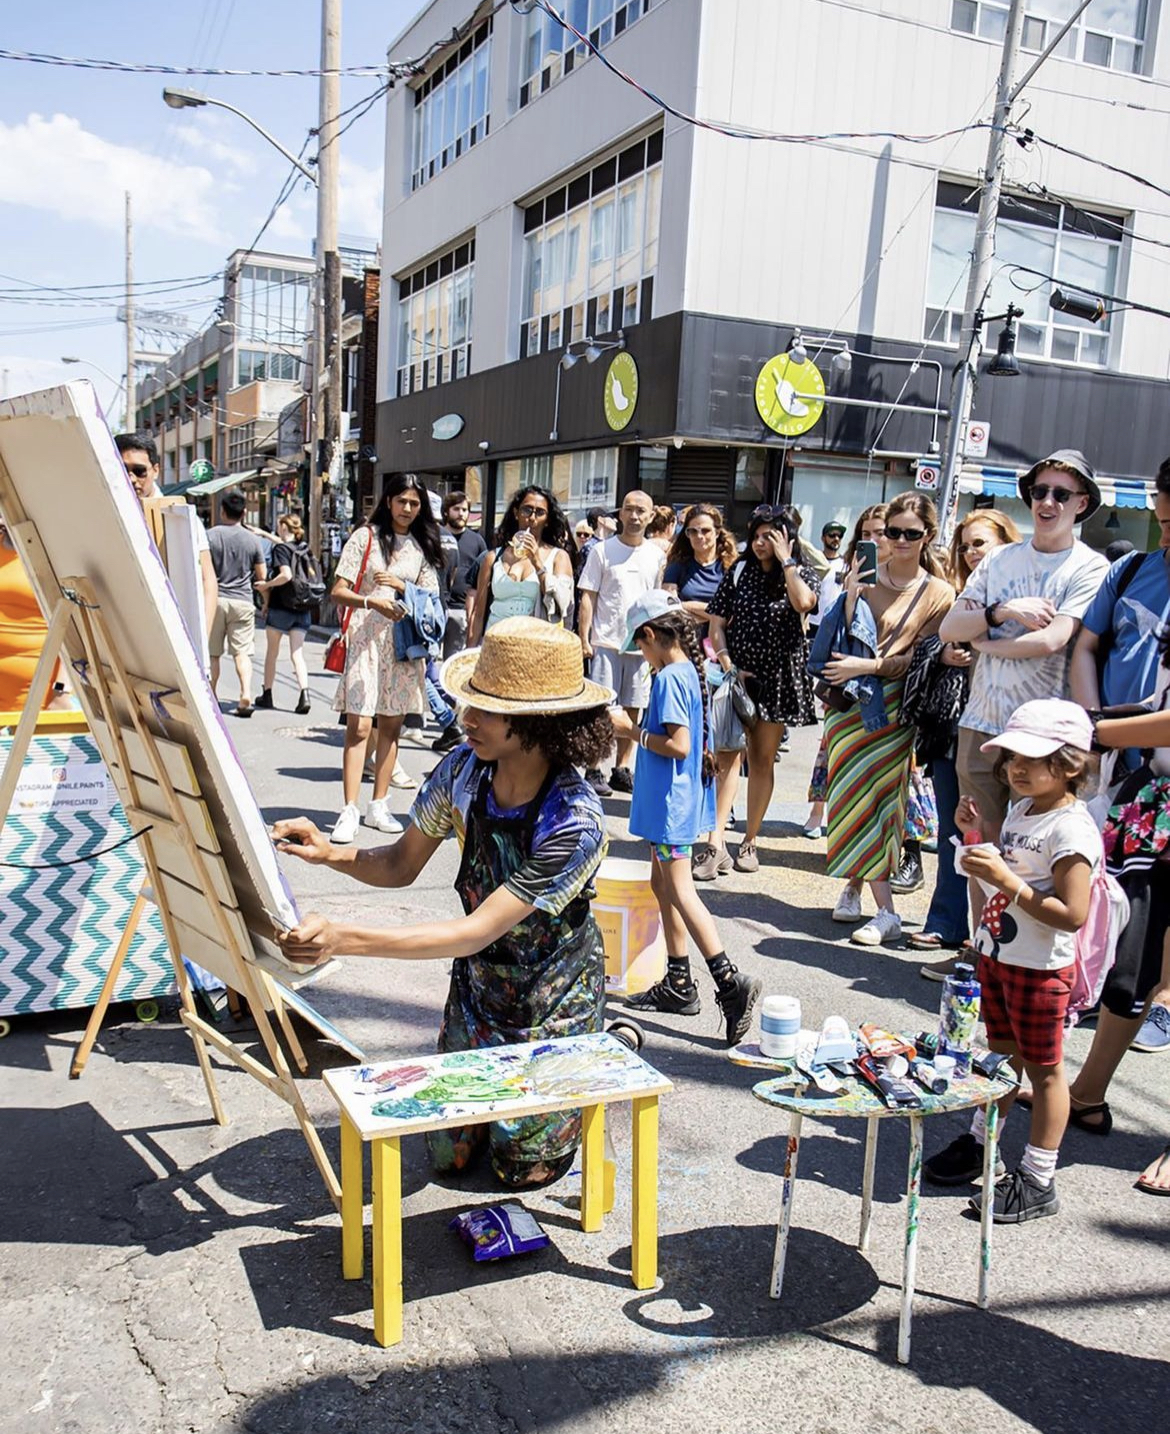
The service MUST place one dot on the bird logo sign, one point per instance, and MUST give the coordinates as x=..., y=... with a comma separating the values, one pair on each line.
x=789, y=395
x=621, y=391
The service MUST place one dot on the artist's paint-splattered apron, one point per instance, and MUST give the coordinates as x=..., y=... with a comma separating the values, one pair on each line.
x=544, y=978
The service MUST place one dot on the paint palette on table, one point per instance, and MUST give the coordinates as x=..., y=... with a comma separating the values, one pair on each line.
x=496, y=1081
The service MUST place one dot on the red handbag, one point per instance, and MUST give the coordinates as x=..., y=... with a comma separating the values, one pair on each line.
x=338, y=650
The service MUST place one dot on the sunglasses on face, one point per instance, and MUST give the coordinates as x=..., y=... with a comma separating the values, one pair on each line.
x=975, y=544
x=137, y=470
x=528, y=511
x=905, y=535
x=700, y=532
x=1040, y=491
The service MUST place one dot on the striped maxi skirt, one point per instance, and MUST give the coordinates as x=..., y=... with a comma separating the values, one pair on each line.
x=867, y=790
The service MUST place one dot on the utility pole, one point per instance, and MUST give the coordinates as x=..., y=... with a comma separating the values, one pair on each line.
x=326, y=456
x=130, y=407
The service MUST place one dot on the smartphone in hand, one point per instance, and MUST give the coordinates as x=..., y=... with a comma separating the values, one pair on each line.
x=867, y=555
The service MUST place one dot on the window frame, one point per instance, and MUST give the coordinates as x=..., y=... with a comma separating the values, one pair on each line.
x=1076, y=43
x=549, y=52
x=439, y=135
x=420, y=363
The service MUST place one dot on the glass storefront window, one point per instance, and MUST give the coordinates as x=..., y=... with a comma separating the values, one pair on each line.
x=578, y=481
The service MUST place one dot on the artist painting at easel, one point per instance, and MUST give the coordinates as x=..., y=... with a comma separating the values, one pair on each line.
x=528, y=959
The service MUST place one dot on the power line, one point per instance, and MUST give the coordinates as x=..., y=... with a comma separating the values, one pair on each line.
x=77, y=62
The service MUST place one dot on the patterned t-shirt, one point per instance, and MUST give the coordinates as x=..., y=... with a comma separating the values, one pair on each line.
x=1070, y=580
x=568, y=842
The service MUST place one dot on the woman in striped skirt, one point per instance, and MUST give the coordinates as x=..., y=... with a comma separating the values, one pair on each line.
x=869, y=769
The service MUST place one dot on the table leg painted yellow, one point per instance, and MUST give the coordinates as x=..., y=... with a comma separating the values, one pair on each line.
x=645, y=1216
x=352, y=1200
x=386, y=1159
x=592, y=1167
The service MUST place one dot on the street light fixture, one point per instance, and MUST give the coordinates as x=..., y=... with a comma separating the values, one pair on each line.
x=589, y=349
x=1004, y=364
x=192, y=100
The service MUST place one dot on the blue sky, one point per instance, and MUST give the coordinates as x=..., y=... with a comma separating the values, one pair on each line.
x=72, y=141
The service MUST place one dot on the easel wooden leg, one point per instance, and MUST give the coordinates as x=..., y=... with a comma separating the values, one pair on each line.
x=592, y=1162
x=284, y=1021
x=386, y=1158
x=187, y=1001
x=784, y=1224
x=644, y=1244
x=871, y=1138
x=991, y=1142
x=910, y=1255
x=352, y=1201
x=98, y=1014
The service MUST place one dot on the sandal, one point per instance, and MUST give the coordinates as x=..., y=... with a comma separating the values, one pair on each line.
x=929, y=941
x=1077, y=1114
x=1145, y=1180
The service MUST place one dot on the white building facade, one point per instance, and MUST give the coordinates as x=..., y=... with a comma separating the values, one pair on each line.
x=535, y=199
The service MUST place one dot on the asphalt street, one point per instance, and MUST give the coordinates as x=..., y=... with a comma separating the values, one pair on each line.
x=162, y=1274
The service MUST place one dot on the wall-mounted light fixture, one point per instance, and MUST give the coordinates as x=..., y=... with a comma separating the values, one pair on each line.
x=589, y=349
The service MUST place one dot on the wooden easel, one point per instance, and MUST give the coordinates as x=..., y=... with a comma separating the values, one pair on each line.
x=188, y=875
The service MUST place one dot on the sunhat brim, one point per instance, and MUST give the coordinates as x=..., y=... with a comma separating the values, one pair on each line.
x=456, y=675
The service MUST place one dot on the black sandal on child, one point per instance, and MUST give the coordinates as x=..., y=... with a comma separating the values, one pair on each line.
x=1079, y=1115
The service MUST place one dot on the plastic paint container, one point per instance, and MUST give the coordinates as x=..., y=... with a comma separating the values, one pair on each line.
x=631, y=928
x=944, y=1068
x=780, y=1027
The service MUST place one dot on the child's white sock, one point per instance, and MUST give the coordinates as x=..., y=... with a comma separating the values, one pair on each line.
x=1039, y=1164
x=979, y=1125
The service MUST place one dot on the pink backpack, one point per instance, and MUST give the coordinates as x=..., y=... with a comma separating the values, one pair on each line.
x=1096, y=942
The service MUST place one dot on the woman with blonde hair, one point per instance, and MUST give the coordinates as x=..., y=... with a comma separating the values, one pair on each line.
x=663, y=526
x=864, y=653
x=281, y=617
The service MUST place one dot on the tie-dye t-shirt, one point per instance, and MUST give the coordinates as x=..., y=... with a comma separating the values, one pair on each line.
x=1070, y=580
x=568, y=842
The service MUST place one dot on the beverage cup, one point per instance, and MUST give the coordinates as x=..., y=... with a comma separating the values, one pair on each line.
x=988, y=847
x=780, y=1027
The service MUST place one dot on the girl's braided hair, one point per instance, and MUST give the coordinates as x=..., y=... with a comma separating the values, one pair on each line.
x=679, y=626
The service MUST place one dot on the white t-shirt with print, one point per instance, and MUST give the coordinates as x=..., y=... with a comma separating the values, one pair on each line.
x=1031, y=846
x=1069, y=580
x=619, y=575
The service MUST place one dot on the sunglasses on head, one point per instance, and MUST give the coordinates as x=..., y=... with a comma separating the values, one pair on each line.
x=138, y=470
x=767, y=512
x=905, y=535
x=1040, y=491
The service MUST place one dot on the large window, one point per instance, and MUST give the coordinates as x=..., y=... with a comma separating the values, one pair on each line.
x=434, y=321
x=550, y=50
x=578, y=481
x=272, y=306
x=253, y=364
x=1109, y=33
x=591, y=250
x=1079, y=248
x=451, y=107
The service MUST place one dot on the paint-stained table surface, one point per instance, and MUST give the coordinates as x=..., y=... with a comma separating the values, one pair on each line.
x=491, y=1083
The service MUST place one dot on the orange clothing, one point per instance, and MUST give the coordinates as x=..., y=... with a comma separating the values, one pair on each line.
x=22, y=632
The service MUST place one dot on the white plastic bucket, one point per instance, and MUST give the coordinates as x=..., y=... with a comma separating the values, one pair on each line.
x=631, y=928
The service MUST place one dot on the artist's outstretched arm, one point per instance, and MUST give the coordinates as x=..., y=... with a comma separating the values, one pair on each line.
x=397, y=864
x=317, y=939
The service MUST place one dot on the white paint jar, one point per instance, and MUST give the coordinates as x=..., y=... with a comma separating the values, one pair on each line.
x=780, y=1026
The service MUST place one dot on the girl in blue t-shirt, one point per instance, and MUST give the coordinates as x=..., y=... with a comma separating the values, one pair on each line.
x=673, y=805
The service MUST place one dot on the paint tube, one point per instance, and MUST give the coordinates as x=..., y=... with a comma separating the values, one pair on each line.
x=988, y=1064
x=883, y=1044
x=927, y=1077
x=894, y=1093
x=496, y=1232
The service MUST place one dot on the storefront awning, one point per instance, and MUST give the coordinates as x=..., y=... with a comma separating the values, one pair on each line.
x=1002, y=483
x=220, y=482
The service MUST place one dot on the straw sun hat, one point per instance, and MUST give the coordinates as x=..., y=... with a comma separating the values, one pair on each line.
x=524, y=665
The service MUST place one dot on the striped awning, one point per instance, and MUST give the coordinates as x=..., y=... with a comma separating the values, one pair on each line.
x=996, y=482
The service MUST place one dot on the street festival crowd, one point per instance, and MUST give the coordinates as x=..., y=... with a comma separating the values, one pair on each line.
x=1006, y=698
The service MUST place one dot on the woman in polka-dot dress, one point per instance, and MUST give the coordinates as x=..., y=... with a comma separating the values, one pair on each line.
x=757, y=626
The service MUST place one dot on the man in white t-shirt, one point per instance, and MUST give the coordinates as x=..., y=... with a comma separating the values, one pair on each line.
x=617, y=572
x=1021, y=611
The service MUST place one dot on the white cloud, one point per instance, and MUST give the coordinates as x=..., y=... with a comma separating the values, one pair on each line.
x=360, y=202
x=196, y=138
x=56, y=165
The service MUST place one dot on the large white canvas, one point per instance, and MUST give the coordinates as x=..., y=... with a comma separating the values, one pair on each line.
x=66, y=480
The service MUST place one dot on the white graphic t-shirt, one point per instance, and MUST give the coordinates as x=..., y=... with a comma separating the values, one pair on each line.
x=619, y=575
x=1069, y=580
x=1031, y=846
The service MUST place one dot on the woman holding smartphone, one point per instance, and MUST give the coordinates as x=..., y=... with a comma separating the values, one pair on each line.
x=889, y=605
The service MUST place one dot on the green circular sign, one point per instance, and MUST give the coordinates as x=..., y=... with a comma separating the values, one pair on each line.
x=621, y=391
x=789, y=394
x=201, y=470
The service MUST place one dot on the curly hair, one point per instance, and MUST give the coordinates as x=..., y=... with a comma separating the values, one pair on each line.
x=1067, y=762
x=556, y=534
x=725, y=549
x=679, y=627
x=565, y=739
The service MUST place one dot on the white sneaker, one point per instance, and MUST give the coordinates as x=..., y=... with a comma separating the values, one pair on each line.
x=848, y=907
x=381, y=818
x=345, y=828
x=880, y=930
x=400, y=777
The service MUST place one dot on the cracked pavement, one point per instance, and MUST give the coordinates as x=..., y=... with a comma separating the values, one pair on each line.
x=161, y=1274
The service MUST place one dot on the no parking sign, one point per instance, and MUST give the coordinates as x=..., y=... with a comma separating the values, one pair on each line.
x=927, y=475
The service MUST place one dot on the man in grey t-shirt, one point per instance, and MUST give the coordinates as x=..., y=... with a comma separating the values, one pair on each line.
x=238, y=559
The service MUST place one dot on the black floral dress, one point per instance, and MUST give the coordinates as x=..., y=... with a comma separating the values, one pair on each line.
x=766, y=637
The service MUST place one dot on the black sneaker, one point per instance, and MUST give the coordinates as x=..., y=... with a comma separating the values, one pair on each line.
x=621, y=779
x=736, y=1001
x=663, y=997
x=1018, y=1198
x=960, y=1163
x=449, y=738
x=596, y=779
x=909, y=876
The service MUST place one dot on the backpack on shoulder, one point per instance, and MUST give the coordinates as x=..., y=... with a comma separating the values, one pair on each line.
x=1096, y=942
x=307, y=588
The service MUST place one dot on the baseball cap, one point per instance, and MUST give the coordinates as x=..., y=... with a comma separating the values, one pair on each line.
x=1037, y=729
x=1071, y=458
x=656, y=603
x=833, y=528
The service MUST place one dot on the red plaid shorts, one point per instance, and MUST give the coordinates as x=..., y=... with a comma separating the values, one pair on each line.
x=1026, y=1008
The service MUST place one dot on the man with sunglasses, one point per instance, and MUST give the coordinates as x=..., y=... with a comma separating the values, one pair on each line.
x=1021, y=611
x=139, y=455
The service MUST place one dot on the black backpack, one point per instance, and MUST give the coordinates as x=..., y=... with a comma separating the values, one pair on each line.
x=307, y=588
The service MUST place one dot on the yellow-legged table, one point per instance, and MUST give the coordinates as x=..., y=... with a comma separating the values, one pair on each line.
x=380, y=1104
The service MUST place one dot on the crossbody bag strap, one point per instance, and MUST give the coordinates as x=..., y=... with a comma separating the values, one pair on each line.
x=902, y=621
x=348, y=613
